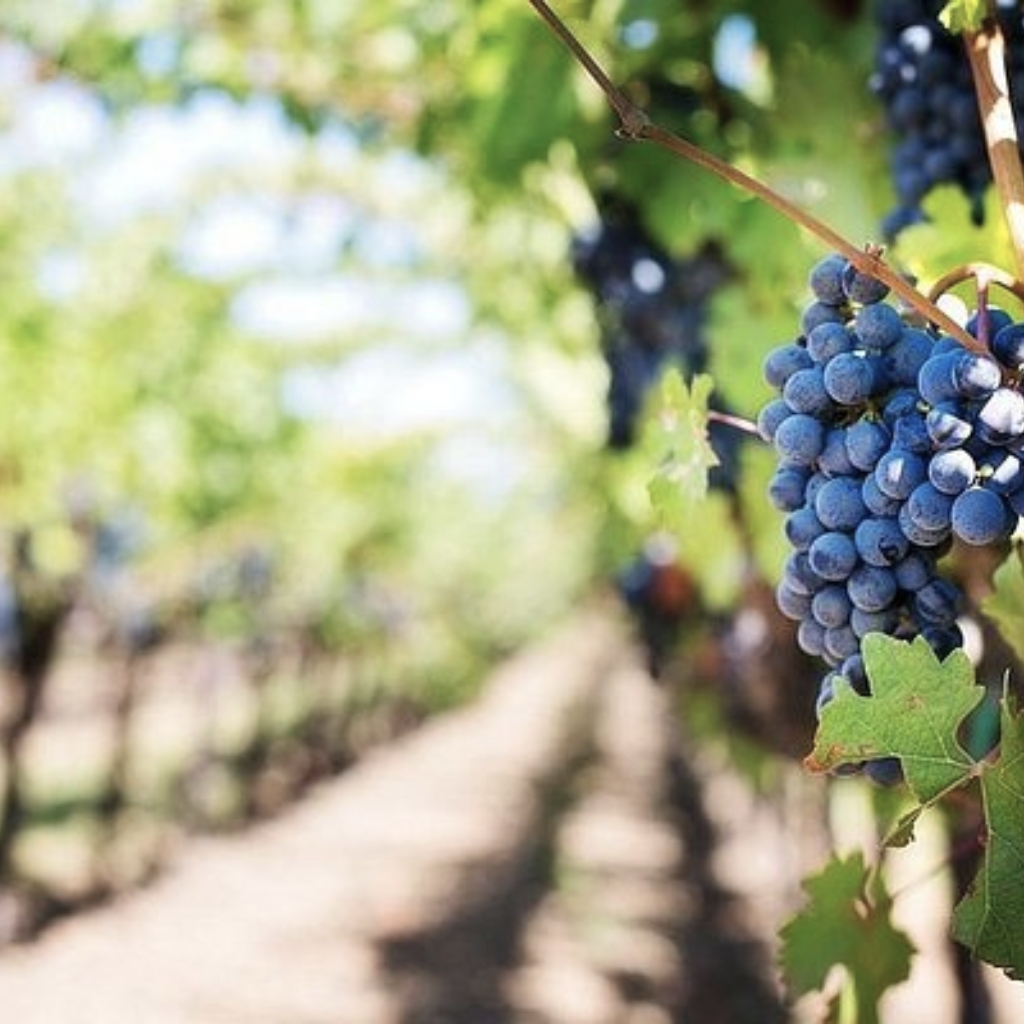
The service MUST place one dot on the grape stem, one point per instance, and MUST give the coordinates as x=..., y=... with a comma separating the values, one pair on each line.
x=986, y=51
x=728, y=419
x=636, y=125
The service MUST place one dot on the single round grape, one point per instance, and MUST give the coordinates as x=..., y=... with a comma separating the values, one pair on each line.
x=898, y=472
x=827, y=340
x=878, y=326
x=875, y=501
x=953, y=471
x=840, y=643
x=1008, y=347
x=884, y=621
x=782, y=362
x=831, y=606
x=839, y=503
x=936, y=380
x=948, y=425
x=810, y=637
x=834, y=459
x=880, y=541
x=976, y=376
x=863, y=288
x=805, y=391
x=850, y=378
x=770, y=416
x=920, y=535
x=799, y=438
x=833, y=555
x=930, y=508
x=871, y=588
x=904, y=359
x=826, y=280
x=1001, y=418
x=792, y=604
x=786, y=488
x=866, y=442
x=803, y=528
x=980, y=517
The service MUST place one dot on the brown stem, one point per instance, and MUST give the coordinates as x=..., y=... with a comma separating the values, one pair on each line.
x=636, y=125
x=728, y=419
x=986, y=50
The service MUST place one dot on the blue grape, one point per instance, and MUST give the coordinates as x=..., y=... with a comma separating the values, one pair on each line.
x=803, y=528
x=786, y=488
x=834, y=459
x=930, y=508
x=781, y=363
x=872, y=588
x=839, y=503
x=850, y=378
x=1001, y=418
x=863, y=288
x=875, y=501
x=832, y=606
x=791, y=602
x=936, y=380
x=953, y=471
x=919, y=535
x=903, y=361
x=827, y=340
x=948, y=425
x=866, y=442
x=898, y=472
x=976, y=376
x=878, y=326
x=884, y=621
x=840, y=643
x=880, y=541
x=914, y=571
x=810, y=637
x=826, y=280
x=799, y=439
x=818, y=313
x=1008, y=347
x=937, y=603
x=805, y=391
x=833, y=556
x=980, y=517
x=769, y=418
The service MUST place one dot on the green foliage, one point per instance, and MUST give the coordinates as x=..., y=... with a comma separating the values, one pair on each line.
x=989, y=920
x=916, y=706
x=964, y=15
x=679, y=424
x=846, y=922
x=916, y=712
x=1005, y=605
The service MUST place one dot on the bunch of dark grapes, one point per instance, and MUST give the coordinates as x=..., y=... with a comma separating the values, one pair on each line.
x=891, y=442
x=923, y=78
x=652, y=309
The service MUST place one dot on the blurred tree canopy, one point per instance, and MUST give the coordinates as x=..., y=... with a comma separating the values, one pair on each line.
x=212, y=213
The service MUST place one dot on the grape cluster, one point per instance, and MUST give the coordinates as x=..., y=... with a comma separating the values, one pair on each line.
x=652, y=309
x=923, y=78
x=890, y=443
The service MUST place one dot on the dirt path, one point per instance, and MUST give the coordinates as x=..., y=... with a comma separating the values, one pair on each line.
x=552, y=854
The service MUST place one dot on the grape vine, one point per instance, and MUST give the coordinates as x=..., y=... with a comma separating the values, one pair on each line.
x=899, y=437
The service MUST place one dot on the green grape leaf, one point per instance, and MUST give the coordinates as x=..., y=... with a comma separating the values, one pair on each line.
x=677, y=434
x=916, y=707
x=964, y=15
x=989, y=920
x=846, y=921
x=1005, y=605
